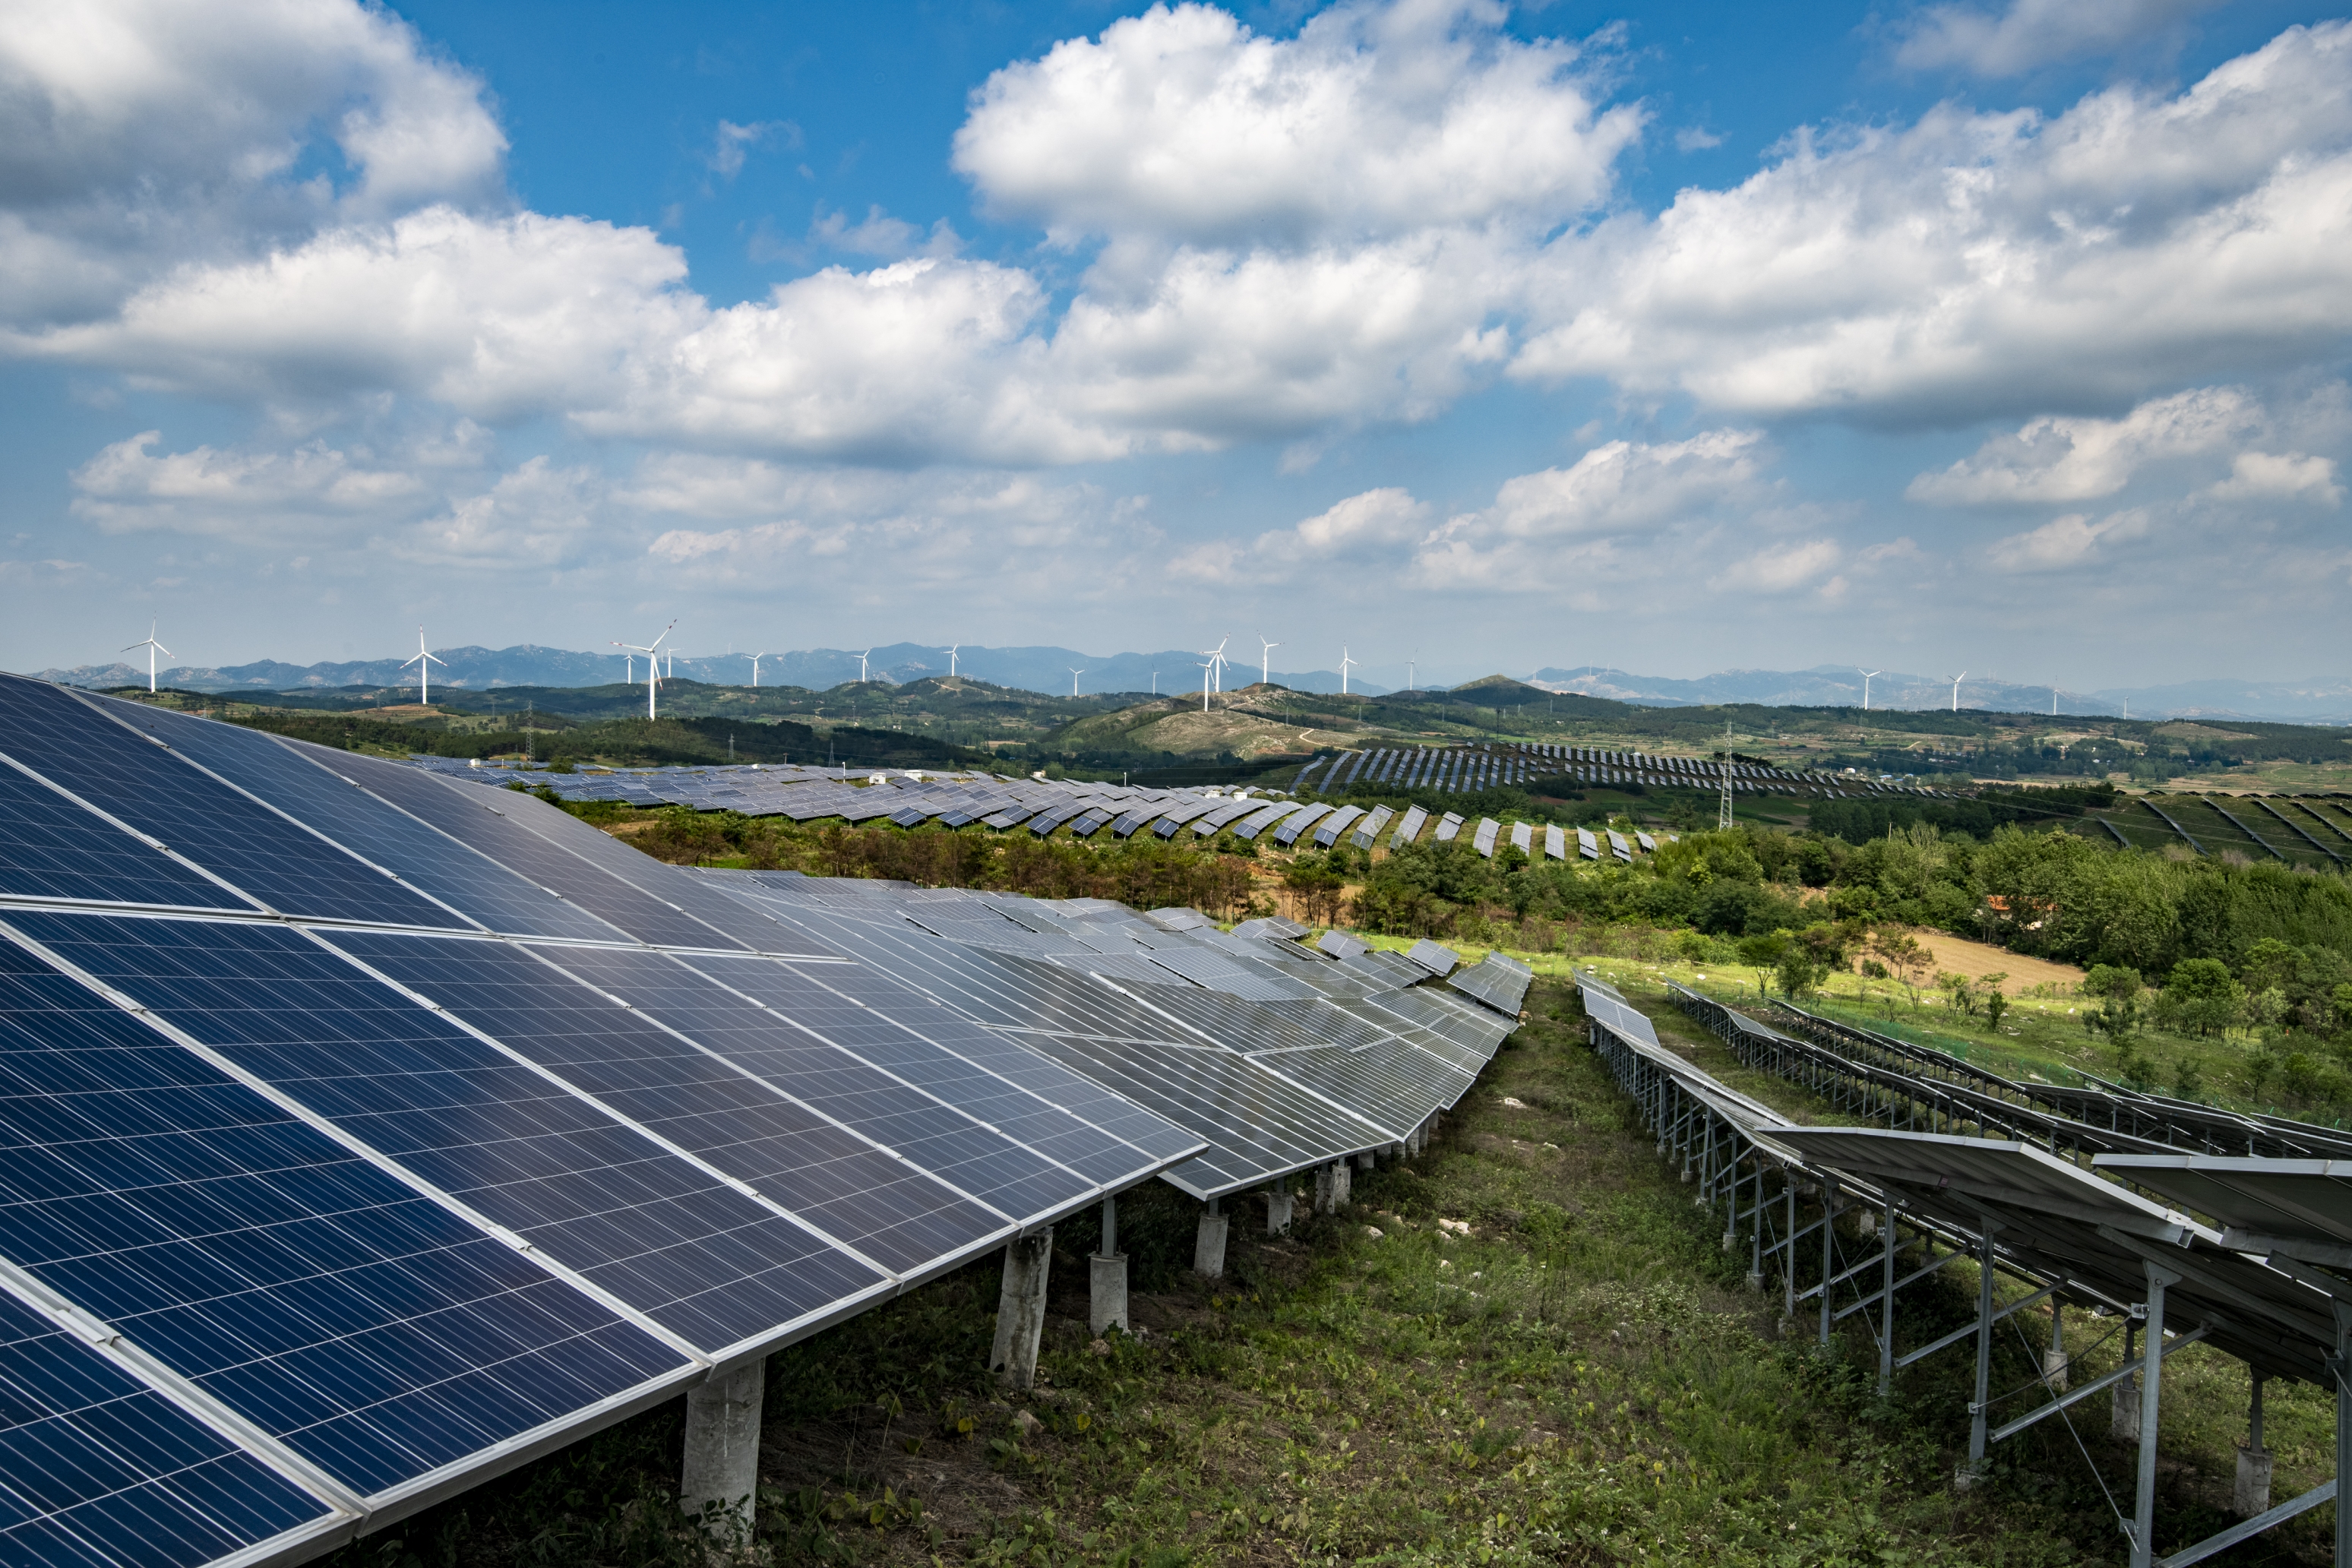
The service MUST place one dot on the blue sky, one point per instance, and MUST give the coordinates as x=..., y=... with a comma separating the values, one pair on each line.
x=2005, y=337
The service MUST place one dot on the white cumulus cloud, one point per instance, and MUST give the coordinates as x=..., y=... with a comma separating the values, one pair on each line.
x=2062, y=459
x=2266, y=476
x=2070, y=541
x=2031, y=33
x=1373, y=121
x=1975, y=265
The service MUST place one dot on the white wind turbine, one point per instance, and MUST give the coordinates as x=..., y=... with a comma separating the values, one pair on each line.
x=755, y=658
x=1207, y=669
x=861, y=667
x=1345, y=663
x=1955, y=689
x=151, y=645
x=1216, y=665
x=1866, y=675
x=653, y=665
x=424, y=662
x=952, y=661
x=1266, y=660
x=1074, y=679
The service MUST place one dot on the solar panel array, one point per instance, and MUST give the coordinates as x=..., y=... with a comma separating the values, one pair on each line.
x=363, y=1131
x=1496, y=764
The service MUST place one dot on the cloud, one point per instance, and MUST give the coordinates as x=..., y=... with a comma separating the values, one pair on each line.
x=881, y=235
x=1375, y=120
x=1779, y=568
x=540, y=515
x=1975, y=266
x=1695, y=139
x=2261, y=476
x=2065, y=542
x=2032, y=33
x=2061, y=459
x=733, y=143
x=242, y=495
x=137, y=135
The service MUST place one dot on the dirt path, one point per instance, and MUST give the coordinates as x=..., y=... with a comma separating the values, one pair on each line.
x=1959, y=955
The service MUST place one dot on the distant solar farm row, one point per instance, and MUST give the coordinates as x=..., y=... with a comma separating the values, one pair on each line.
x=1044, y=805
x=1462, y=768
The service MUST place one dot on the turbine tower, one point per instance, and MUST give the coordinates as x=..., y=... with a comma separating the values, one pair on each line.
x=1344, y=663
x=1955, y=689
x=755, y=658
x=1205, y=671
x=1074, y=679
x=424, y=662
x=151, y=645
x=861, y=667
x=1866, y=675
x=951, y=660
x=653, y=665
x=1217, y=664
x=1266, y=660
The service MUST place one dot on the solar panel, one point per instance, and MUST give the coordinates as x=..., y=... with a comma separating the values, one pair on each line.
x=1410, y=828
x=1436, y=959
x=1447, y=826
x=1500, y=986
x=1483, y=839
x=1369, y=830
x=1288, y=831
x=1555, y=843
x=1327, y=833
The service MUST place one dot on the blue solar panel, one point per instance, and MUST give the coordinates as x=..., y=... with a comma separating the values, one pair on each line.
x=97, y=1468
x=137, y=781
x=370, y=1329
x=859, y=1196
x=52, y=849
x=287, y=776
x=667, y=1238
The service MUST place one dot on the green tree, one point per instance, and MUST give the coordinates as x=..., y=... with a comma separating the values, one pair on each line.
x=2202, y=994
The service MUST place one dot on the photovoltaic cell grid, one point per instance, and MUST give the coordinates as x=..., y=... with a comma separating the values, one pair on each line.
x=1277, y=1057
x=322, y=1187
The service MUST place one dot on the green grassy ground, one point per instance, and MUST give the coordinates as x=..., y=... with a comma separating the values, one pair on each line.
x=1575, y=1374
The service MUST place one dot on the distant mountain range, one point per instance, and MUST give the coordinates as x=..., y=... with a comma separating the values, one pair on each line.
x=481, y=669
x=2321, y=699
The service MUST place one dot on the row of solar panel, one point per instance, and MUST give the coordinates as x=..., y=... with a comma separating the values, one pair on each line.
x=392, y=1127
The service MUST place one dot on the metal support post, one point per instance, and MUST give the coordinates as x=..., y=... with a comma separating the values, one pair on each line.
x=1978, y=1407
x=1756, y=1231
x=2143, y=1550
x=1789, y=1264
x=2342, y=1369
x=2053, y=1361
x=1886, y=1309
x=1828, y=1248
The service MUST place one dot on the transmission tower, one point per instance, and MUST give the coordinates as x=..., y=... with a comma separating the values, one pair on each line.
x=1723, y=816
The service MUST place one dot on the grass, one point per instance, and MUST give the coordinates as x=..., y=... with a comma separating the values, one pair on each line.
x=1575, y=1374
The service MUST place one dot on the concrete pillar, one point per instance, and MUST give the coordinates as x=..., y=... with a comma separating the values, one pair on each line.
x=2053, y=1360
x=1343, y=1186
x=723, y=1447
x=1209, y=1244
x=1322, y=1189
x=1106, y=1277
x=1278, y=1208
x=1364, y=1161
x=2252, y=1495
x=2123, y=1419
x=1021, y=1310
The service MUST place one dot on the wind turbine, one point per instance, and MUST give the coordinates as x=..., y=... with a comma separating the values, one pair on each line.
x=1074, y=679
x=653, y=665
x=1207, y=669
x=151, y=645
x=952, y=661
x=1955, y=689
x=1266, y=660
x=1217, y=663
x=1344, y=663
x=424, y=662
x=861, y=667
x=1866, y=674
x=755, y=658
